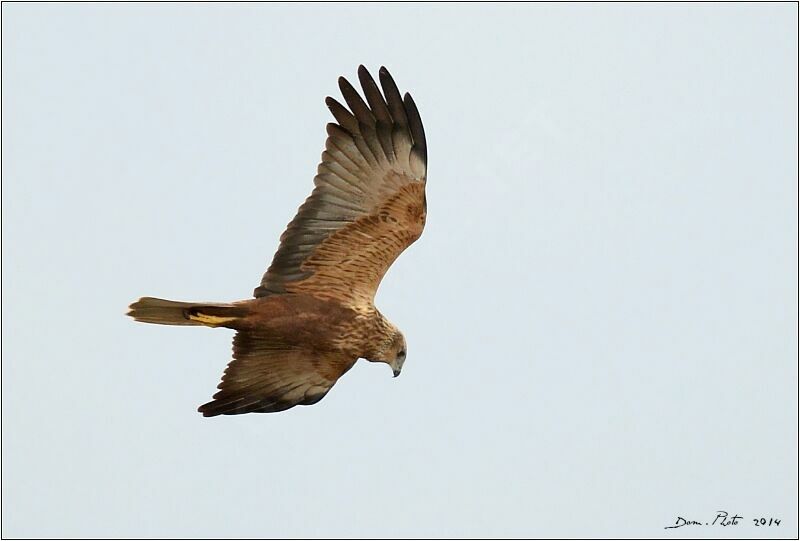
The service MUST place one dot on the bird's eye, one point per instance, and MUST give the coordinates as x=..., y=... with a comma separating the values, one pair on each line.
x=401, y=354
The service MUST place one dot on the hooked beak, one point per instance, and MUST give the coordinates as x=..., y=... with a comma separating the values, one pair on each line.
x=397, y=365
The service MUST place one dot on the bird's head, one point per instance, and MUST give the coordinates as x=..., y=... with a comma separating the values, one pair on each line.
x=399, y=356
x=392, y=352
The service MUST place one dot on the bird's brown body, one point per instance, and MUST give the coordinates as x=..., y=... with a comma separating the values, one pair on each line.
x=313, y=315
x=305, y=321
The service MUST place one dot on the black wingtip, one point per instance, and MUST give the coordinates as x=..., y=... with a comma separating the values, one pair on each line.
x=346, y=88
x=415, y=125
x=336, y=130
x=364, y=75
x=393, y=99
x=206, y=410
x=356, y=103
x=365, y=78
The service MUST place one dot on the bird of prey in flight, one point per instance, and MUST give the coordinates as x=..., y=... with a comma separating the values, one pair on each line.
x=313, y=315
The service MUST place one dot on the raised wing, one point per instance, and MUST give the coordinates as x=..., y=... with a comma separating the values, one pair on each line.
x=368, y=204
x=266, y=378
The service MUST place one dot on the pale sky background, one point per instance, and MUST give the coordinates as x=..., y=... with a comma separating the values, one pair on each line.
x=601, y=314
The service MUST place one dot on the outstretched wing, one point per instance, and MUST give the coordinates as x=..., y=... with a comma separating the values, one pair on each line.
x=368, y=204
x=264, y=377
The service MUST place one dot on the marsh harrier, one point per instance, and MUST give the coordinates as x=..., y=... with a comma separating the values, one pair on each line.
x=312, y=317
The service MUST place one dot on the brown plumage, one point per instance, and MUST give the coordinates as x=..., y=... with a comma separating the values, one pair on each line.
x=313, y=315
